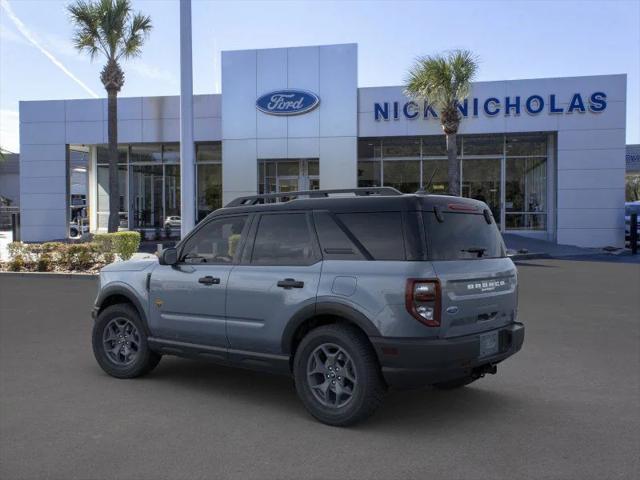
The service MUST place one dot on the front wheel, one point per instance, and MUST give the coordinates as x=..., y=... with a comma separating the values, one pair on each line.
x=337, y=375
x=120, y=343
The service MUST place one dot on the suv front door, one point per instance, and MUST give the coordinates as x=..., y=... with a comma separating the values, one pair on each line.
x=187, y=300
x=278, y=275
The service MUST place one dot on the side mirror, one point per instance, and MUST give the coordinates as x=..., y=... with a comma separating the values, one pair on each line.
x=169, y=256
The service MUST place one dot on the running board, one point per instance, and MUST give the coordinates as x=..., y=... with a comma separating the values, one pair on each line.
x=267, y=362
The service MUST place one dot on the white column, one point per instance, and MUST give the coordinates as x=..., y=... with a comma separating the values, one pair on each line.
x=187, y=147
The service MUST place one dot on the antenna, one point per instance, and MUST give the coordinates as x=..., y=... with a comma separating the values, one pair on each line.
x=435, y=170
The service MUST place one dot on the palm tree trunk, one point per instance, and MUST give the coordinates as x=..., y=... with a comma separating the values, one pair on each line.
x=114, y=194
x=453, y=165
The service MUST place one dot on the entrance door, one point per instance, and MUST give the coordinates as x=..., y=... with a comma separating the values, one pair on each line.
x=288, y=175
x=481, y=179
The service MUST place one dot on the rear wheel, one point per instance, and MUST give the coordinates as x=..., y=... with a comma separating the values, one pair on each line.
x=337, y=375
x=120, y=343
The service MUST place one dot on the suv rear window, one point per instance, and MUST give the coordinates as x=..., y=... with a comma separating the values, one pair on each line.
x=462, y=236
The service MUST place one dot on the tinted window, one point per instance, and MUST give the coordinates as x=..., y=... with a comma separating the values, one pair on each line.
x=334, y=242
x=283, y=240
x=379, y=233
x=462, y=236
x=216, y=242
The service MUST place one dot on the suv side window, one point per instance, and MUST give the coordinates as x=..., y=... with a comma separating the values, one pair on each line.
x=380, y=233
x=284, y=239
x=216, y=242
x=335, y=243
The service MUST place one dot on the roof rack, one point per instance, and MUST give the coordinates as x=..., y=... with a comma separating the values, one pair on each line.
x=359, y=192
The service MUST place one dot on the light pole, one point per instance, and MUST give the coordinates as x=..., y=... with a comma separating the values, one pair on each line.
x=187, y=147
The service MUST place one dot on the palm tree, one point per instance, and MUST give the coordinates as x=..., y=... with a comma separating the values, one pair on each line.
x=444, y=81
x=112, y=29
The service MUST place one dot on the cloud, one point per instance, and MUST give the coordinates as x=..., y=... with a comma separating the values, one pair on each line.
x=9, y=130
x=24, y=30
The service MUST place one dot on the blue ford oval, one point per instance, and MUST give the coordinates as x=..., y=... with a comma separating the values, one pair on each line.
x=287, y=102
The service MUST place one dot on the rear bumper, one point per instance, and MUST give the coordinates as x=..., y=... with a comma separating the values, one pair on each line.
x=417, y=362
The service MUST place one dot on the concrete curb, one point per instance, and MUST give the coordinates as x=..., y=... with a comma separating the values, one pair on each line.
x=84, y=276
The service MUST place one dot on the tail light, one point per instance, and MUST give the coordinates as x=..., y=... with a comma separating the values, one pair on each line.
x=422, y=298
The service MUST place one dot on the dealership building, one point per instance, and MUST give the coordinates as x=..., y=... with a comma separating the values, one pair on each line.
x=547, y=155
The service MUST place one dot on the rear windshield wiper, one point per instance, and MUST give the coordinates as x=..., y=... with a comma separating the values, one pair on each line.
x=478, y=250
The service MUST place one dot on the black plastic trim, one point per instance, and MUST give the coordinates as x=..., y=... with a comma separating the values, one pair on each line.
x=113, y=290
x=346, y=312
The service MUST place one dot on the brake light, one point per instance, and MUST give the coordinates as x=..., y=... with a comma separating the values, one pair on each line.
x=462, y=207
x=422, y=299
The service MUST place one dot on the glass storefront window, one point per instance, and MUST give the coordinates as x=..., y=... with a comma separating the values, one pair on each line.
x=103, y=195
x=519, y=159
x=209, y=189
x=368, y=148
x=482, y=145
x=103, y=154
x=209, y=152
x=526, y=193
x=209, y=178
x=146, y=193
x=369, y=174
x=172, y=190
x=145, y=153
x=481, y=180
x=402, y=147
x=404, y=175
x=526, y=144
x=435, y=146
x=171, y=153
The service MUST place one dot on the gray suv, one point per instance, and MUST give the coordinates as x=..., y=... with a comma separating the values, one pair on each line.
x=350, y=292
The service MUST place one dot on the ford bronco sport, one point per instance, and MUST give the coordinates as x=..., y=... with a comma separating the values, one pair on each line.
x=348, y=294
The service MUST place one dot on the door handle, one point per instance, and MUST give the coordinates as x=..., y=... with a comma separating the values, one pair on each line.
x=209, y=280
x=290, y=283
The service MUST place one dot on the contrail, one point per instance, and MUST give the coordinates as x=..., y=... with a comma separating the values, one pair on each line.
x=31, y=38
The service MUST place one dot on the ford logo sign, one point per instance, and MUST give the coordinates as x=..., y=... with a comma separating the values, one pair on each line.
x=287, y=102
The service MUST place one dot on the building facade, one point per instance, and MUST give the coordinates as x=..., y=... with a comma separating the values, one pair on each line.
x=547, y=155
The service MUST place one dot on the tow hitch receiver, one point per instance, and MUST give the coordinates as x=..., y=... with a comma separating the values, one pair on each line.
x=488, y=369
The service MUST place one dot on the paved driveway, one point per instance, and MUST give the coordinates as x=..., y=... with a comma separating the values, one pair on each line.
x=565, y=407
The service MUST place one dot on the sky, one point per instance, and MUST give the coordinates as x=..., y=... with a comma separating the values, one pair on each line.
x=512, y=39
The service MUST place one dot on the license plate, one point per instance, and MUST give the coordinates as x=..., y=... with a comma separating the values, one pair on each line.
x=489, y=344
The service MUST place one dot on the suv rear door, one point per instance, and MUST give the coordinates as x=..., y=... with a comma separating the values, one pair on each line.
x=478, y=281
x=277, y=276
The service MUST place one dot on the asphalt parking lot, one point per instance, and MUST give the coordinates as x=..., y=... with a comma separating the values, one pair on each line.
x=566, y=407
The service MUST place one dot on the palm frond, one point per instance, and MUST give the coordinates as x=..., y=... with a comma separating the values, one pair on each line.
x=442, y=80
x=139, y=28
x=108, y=27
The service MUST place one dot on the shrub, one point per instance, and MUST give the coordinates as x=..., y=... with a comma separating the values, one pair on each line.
x=104, y=242
x=80, y=256
x=16, y=248
x=125, y=244
x=44, y=263
x=16, y=264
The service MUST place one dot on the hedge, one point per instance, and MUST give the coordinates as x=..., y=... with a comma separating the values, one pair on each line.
x=57, y=256
x=125, y=244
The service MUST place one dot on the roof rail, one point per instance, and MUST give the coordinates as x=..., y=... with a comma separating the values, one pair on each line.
x=359, y=192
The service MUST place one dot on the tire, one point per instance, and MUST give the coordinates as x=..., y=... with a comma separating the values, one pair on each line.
x=355, y=370
x=454, y=384
x=119, y=326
